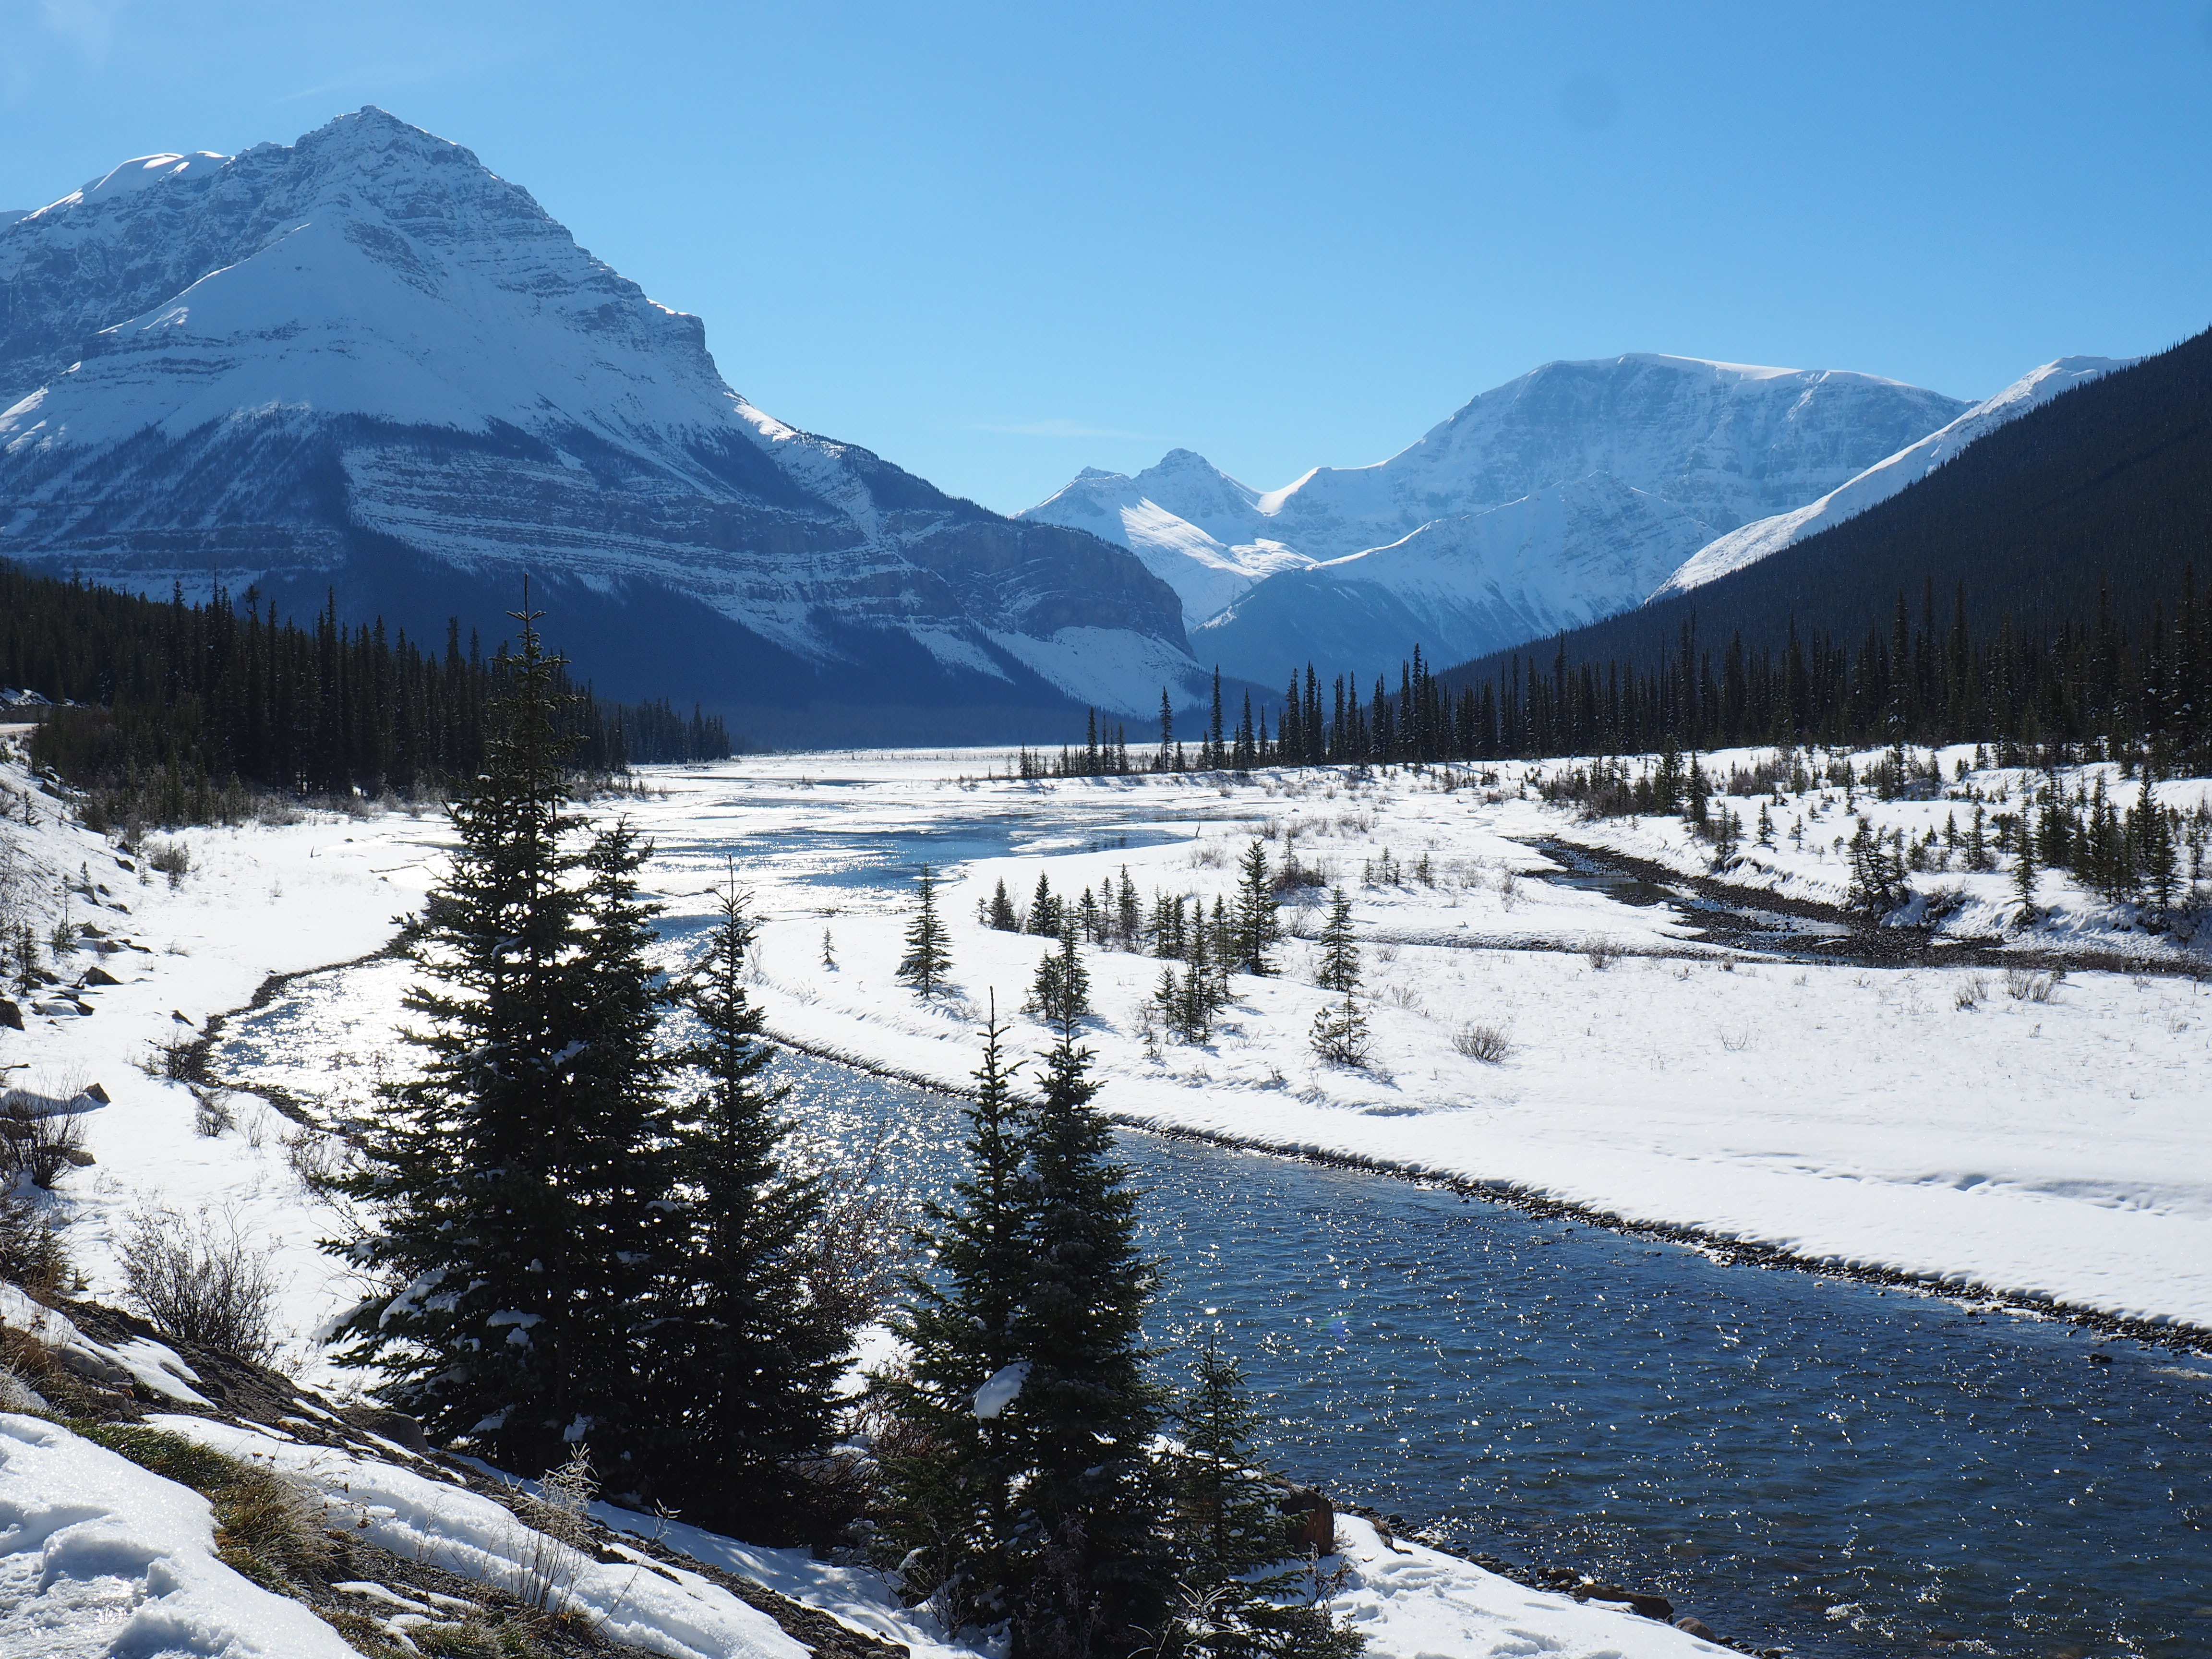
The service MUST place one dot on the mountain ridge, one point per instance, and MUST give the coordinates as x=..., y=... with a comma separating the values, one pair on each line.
x=1272, y=576
x=364, y=362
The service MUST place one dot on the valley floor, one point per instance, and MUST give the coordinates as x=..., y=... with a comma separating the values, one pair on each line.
x=106, y=1547
x=1998, y=1132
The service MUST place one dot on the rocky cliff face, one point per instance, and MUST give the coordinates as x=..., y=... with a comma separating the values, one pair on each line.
x=364, y=362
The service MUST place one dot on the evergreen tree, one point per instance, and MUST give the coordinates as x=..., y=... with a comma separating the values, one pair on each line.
x=1061, y=992
x=1001, y=914
x=1339, y=953
x=1339, y=1034
x=504, y=1184
x=2023, y=877
x=1129, y=914
x=927, y=958
x=1227, y=1534
x=951, y=1477
x=1044, y=909
x=1257, y=927
x=1086, y=1572
x=745, y=1361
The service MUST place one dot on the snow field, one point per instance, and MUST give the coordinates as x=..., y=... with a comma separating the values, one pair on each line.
x=98, y=1557
x=1851, y=1114
x=1923, y=1122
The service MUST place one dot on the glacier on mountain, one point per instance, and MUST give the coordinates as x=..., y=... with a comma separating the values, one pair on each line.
x=1559, y=497
x=1750, y=543
x=365, y=363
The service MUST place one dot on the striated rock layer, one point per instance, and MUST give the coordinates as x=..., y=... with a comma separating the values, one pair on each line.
x=365, y=364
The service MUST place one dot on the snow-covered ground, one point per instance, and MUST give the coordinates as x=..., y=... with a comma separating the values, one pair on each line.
x=1928, y=1121
x=95, y=1546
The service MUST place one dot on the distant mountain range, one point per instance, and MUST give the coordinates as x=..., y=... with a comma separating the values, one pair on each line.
x=364, y=363
x=2076, y=499
x=363, y=366
x=1565, y=495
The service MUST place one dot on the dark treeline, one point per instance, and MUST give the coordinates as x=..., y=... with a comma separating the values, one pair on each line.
x=1931, y=678
x=2107, y=489
x=178, y=710
x=2067, y=690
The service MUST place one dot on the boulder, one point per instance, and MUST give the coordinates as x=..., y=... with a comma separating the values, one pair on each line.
x=11, y=1014
x=398, y=1427
x=1690, y=1624
x=1310, y=1520
x=1651, y=1606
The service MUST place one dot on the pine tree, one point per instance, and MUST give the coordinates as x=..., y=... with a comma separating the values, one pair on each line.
x=1339, y=953
x=1257, y=927
x=500, y=1183
x=1044, y=909
x=1129, y=914
x=927, y=960
x=1086, y=1571
x=745, y=1360
x=1061, y=992
x=1339, y=1034
x=1227, y=1531
x=2023, y=877
x=1000, y=914
x=951, y=1474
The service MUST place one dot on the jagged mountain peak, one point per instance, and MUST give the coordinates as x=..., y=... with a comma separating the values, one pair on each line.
x=316, y=363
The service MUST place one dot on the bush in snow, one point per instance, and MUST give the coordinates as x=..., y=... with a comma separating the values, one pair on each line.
x=200, y=1283
x=1487, y=1043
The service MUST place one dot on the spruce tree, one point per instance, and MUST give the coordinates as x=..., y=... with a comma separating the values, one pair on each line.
x=924, y=964
x=1227, y=1533
x=1045, y=910
x=952, y=1471
x=1339, y=951
x=503, y=1186
x=1061, y=994
x=1000, y=914
x=745, y=1361
x=1256, y=928
x=1086, y=1571
x=2023, y=877
x=1338, y=1033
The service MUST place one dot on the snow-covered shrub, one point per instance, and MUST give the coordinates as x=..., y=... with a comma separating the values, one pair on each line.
x=1600, y=953
x=1970, y=993
x=31, y=1253
x=172, y=858
x=41, y=1135
x=200, y=1283
x=1487, y=1043
x=2024, y=986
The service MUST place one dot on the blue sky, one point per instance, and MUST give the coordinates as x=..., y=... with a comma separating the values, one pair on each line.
x=997, y=243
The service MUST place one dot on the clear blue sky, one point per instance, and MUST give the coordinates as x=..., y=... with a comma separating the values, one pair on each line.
x=997, y=243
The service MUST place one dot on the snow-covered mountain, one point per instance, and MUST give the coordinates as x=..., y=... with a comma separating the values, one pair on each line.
x=365, y=361
x=1614, y=470
x=1751, y=543
x=1191, y=523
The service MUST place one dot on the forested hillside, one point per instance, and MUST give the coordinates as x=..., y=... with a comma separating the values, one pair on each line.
x=175, y=712
x=2101, y=497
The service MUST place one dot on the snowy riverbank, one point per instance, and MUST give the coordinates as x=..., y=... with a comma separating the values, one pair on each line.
x=264, y=900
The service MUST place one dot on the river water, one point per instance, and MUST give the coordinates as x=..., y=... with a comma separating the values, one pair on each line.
x=1803, y=1462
